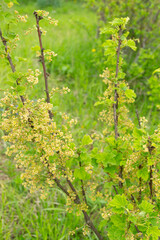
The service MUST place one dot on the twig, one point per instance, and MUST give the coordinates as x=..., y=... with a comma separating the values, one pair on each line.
x=86, y=216
x=42, y=60
x=82, y=187
x=115, y=189
x=140, y=185
x=4, y=41
x=140, y=166
x=139, y=122
x=115, y=105
x=150, y=149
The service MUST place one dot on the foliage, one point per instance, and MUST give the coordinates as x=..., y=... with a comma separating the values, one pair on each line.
x=144, y=26
x=116, y=172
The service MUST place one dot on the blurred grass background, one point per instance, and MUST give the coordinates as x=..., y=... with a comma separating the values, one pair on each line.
x=25, y=216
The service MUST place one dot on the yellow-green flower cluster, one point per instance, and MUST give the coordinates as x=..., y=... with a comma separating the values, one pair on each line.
x=44, y=14
x=106, y=115
x=47, y=53
x=63, y=90
x=20, y=18
x=41, y=146
x=32, y=76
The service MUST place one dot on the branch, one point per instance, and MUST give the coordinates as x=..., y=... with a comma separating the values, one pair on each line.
x=86, y=216
x=115, y=189
x=150, y=149
x=38, y=18
x=91, y=225
x=115, y=105
x=82, y=187
x=137, y=114
x=4, y=41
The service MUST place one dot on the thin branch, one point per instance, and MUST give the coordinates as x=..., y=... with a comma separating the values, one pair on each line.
x=115, y=105
x=57, y=181
x=4, y=41
x=150, y=149
x=140, y=185
x=86, y=216
x=115, y=189
x=42, y=60
x=82, y=187
x=132, y=198
x=77, y=199
x=140, y=166
x=91, y=225
x=138, y=118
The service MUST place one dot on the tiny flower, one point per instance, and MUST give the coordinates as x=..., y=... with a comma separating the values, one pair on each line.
x=10, y=4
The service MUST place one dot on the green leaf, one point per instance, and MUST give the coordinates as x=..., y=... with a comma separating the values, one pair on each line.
x=86, y=140
x=36, y=48
x=21, y=90
x=80, y=173
x=111, y=170
x=146, y=206
x=123, y=86
x=85, y=157
x=99, y=103
x=143, y=173
x=119, y=221
x=119, y=21
x=119, y=201
x=110, y=48
x=154, y=232
x=156, y=71
x=94, y=162
x=130, y=93
x=108, y=30
x=116, y=234
x=131, y=44
x=138, y=133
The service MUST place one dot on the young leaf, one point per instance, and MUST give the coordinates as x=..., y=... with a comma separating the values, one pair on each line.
x=146, y=206
x=156, y=71
x=131, y=44
x=143, y=173
x=154, y=232
x=130, y=93
x=86, y=140
x=80, y=173
x=119, y=201
x=21, y=90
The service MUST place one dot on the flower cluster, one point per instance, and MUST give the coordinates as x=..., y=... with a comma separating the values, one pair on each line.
x=48, y=54
x=32, y=77
x=63, y=90
x=10, y=4
x=41, y=148
x=44, y=14
x=20, y=18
